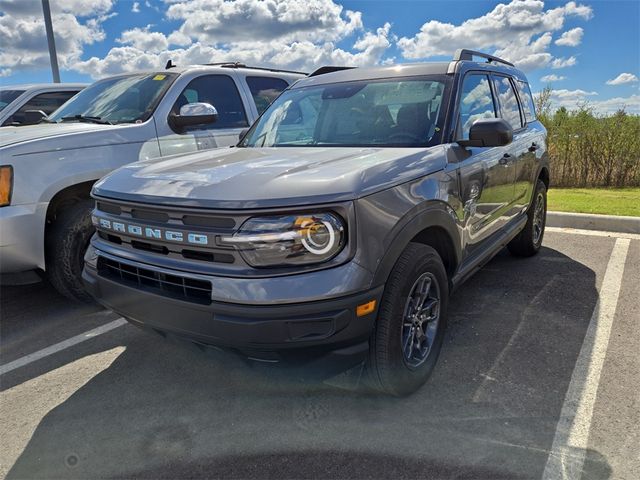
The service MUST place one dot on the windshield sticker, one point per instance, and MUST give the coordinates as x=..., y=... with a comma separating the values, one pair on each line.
x=159, y=77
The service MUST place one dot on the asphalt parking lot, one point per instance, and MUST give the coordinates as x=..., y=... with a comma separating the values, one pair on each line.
x=539, y=377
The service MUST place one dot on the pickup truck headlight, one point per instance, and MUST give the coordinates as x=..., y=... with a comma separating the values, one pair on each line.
x=289, y=239
x=6, y=184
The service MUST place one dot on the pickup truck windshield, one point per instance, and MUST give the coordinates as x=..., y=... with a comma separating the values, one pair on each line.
x=403, y=112
x=8, y=96
x=128, y=99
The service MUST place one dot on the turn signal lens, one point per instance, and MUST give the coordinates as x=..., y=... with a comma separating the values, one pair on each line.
x=6, y=184
x=365, y=308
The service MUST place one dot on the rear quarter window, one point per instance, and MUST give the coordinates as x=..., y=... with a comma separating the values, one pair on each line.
x=527, y=100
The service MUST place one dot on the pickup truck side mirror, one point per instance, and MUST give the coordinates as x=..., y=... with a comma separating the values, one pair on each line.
x=31, y=117
x=191, y=114
x=488, y=132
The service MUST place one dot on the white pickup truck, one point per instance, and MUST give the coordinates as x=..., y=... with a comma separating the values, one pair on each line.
x=47, y=170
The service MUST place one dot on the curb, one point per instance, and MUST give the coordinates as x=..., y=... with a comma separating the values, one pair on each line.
x=586, y=221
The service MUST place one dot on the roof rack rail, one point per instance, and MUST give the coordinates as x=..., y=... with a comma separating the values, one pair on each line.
x=464, y=54
x=328, y=69
x=242, y=65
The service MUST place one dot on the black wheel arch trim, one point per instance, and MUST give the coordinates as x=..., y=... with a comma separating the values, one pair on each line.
x=418, y=219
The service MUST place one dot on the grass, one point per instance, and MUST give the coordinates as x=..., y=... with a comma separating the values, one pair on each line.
x=606, y=201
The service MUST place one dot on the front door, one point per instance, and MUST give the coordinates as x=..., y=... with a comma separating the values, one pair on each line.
x=221, y=92
x=487, y=175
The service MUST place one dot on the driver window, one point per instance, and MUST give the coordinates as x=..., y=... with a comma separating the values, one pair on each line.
x=476, y=101
x=219, y=91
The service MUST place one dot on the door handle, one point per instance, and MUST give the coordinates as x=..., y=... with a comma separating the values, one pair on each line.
x=505, y=159
x=533, y=147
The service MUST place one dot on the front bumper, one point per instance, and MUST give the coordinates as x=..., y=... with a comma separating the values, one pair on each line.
x=22, y=237
x=267, y=331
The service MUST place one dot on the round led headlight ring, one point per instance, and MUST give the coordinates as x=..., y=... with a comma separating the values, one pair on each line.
x=317, y=237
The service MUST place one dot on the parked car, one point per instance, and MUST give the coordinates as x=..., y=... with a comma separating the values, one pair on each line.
x=339, y=225
x=29, y=104
x=47, y=170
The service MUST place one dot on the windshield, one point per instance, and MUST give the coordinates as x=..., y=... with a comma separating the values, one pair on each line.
x=129, y=99
x=401, y=113
x=8, y=96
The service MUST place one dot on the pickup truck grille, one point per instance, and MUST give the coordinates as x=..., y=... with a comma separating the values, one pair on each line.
x=175, y=286
x=186, y=235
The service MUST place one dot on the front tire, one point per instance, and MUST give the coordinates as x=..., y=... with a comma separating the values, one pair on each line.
x=406, y=342
x=528, y=242
x=67, y=241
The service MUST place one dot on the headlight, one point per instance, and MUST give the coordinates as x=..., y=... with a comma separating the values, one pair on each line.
x=289, y=239
x=6, y=185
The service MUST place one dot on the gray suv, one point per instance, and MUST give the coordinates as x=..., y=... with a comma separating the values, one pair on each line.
x=339, y=224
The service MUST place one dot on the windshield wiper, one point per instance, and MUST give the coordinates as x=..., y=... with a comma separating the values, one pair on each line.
x=84, y=118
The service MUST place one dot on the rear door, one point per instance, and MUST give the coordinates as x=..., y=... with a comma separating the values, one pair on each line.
x=219, y=90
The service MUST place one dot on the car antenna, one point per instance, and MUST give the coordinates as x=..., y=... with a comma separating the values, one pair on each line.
x=169, y=65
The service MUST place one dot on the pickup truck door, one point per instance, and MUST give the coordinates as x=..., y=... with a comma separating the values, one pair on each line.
x=219, y=90
x=486, y=175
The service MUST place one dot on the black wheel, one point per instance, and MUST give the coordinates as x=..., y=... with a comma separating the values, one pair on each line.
x=67, y=241
x=529, y=240
x=411, y=322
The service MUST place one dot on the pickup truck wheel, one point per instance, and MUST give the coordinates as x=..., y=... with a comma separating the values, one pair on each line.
x=67, y=241
x=529, y=240
x=411, y=322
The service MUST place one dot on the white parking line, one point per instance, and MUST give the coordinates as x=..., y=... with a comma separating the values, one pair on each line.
x=567, y=455
x=593, y=233
x=70, y=342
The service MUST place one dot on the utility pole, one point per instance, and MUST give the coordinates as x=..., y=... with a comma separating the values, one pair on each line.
x=53, y=57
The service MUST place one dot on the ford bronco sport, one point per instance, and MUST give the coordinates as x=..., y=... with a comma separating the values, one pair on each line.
x=340, y=222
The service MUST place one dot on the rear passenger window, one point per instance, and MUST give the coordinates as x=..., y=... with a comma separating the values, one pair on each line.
x=526, y=100
x=219, y=91
x=265, y=90
x=508, y=101
x=476, y=102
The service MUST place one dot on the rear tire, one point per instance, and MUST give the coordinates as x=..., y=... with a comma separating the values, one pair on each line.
x=67, y=241
x=393, y=367
x=528, y=242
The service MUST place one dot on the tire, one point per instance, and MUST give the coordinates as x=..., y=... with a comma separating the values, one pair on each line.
x=389, y=368
x=528, y=242
x=67, y=241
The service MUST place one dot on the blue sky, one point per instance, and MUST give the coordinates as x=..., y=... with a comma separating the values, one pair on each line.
x=577, y=47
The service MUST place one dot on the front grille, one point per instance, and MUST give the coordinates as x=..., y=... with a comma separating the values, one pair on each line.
x=174, y=286
x=212, y=225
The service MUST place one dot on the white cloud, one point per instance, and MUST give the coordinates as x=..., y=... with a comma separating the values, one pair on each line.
x=574, y=99
x=571, y=38
x=292, y=34
x=623, y=78
x=302, y=55
x=562, y=62
x=552, y=78
x=135, y=8
x=23, y=38
x=219, y=21
x=145, y=40
x=519, y=31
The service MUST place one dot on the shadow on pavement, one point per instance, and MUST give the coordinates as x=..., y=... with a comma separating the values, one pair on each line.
x=489, y=411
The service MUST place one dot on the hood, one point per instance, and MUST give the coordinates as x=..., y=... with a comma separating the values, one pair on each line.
x=13, y=135
x=269, y=177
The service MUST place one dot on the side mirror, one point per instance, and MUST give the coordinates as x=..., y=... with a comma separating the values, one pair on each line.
x=243, y=133
x=31, y=117
x=193, y=114
x=488, y=132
